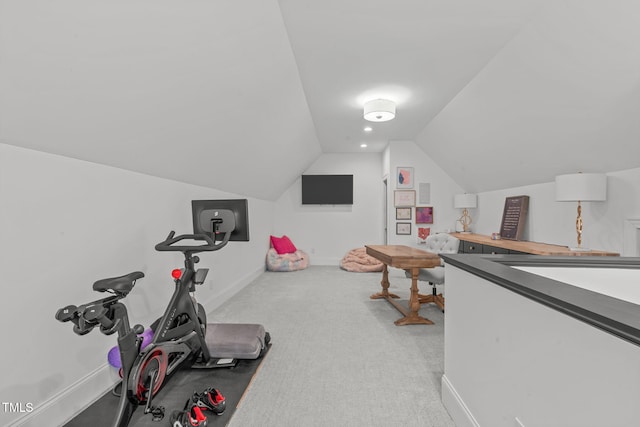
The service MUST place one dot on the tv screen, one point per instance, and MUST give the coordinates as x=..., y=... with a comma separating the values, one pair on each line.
x=327, y=189
x=220, y=217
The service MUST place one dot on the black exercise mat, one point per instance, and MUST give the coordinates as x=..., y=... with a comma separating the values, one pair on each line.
x=231, y=382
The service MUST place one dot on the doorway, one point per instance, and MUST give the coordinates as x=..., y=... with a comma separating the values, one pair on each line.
x=386, y=209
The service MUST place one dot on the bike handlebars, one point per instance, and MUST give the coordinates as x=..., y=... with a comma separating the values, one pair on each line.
x=210, y=245
x=101, y=312
x=87, y=316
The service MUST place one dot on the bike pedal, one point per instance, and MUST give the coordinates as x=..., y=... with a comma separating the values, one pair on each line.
x=158, y=413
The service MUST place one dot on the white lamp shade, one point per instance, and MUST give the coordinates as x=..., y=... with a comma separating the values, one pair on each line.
x=464, y=201
x=581, y=187
x=379, y=110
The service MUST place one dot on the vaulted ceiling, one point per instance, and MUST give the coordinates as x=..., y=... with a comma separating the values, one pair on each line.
x=243, y=96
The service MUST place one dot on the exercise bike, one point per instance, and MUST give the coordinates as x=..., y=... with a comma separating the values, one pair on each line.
x=178, y=335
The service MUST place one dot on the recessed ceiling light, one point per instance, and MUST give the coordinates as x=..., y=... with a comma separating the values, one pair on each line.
x=368, y=129
x=363, y=145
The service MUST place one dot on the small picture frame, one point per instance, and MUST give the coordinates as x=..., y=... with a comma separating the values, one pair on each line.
x=403, y=228
x=404, y=198
x=423, y=233
x=403, y=213
x=424, y=215
x=404, y=177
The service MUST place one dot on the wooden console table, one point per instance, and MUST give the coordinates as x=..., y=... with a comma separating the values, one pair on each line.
x=471, y=243
x=406, y=258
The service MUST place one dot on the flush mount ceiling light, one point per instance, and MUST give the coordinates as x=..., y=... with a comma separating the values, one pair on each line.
x=379, y=110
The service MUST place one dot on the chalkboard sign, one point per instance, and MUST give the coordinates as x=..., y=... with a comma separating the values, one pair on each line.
x=513, y=217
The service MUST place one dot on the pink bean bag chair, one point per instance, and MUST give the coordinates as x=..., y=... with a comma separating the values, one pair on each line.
x=358, y=261
x=284, y=256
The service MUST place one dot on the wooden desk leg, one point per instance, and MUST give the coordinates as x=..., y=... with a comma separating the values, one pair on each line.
x=385, y=286
x=412, y=318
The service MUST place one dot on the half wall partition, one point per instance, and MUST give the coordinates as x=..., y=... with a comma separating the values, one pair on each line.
x=542, y=341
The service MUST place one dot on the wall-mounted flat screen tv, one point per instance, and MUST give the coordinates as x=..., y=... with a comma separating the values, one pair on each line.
x=327, y=189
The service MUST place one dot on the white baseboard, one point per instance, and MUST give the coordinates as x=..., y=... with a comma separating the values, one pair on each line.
x=456, y=407
x=314, y=260
x=62, y=407
x=71, y=401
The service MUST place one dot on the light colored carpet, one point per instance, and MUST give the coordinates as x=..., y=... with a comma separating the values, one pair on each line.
x=337, y=358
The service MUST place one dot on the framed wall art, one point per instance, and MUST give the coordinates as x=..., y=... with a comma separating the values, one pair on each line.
x=424, y=215
x=403, y=213
x=513, y=217
x=424, y=190
x=404, y=177
x=403, y=228
x=423, y=233
x=404, y=198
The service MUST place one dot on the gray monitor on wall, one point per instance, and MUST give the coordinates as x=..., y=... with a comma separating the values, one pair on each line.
x=221, y=216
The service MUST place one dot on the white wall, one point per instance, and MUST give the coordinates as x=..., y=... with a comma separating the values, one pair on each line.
x=511, y=357
x=443, y=189
x=327, y=233
x=554, y=222
x=65, y=223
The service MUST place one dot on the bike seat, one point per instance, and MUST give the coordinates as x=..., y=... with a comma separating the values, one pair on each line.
x=120, y=285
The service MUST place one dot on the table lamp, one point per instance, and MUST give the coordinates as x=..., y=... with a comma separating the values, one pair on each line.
x=464, y=202
x=581, y=187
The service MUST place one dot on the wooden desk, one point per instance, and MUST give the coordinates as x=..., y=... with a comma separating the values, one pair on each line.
x=479, y=243
x=406, y=258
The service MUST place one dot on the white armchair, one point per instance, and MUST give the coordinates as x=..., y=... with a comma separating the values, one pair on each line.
x=436, y=243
